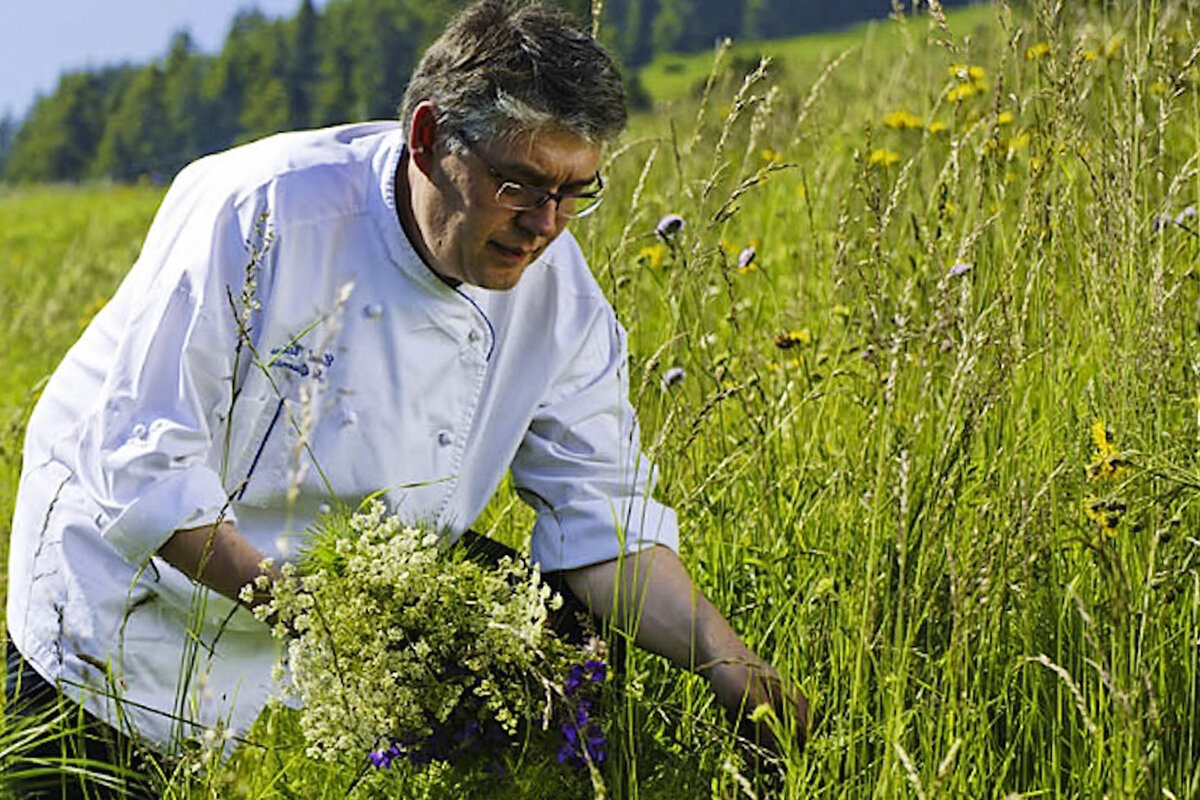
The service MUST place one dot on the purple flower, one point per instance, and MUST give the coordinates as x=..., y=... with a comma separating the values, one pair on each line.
x=382, y=759
x=668, y=226
x=671, y=377
x=746, y=257
x=958, y=269
x=1189, y=211
x=583, y=740
x=582, y=714
x=597, y=670
x=574, y=679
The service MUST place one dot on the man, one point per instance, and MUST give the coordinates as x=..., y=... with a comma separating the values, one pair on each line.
x=320, y=316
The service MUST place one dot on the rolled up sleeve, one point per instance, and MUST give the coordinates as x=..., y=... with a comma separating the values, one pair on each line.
x=581, y=468
x=149, y=451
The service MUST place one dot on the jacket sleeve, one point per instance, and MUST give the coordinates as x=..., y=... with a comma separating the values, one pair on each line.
x=580, y=465
x=149, y=451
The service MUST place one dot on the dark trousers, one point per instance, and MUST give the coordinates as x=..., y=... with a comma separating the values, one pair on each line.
x=65, y=753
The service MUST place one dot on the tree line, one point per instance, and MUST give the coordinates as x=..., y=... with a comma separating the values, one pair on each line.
x=348, y=61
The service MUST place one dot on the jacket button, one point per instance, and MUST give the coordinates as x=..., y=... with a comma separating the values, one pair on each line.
x=445, y=438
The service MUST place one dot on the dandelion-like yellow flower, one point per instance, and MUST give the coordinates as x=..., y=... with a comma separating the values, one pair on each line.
x=937, y=126
x=793, y=338
x=1004, y=118
x=1039, y=50
x=1091, y=55
x=1107, y=461
x=651, y=255
x=1101, y=438
x=1158, y=88
x=770, y=156
x=883, y=158
x=1114, y=46
x=903, y=121
x=1105, y=513
x=1018, y=142
x=956, y=94
x=842, y=311
x=967, y=72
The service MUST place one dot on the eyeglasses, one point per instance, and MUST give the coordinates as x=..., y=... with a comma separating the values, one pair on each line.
x=518, y=196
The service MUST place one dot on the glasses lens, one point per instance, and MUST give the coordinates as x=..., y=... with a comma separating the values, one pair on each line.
x=580, y=206
x=519, y=197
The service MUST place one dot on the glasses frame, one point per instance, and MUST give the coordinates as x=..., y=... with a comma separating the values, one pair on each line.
x=544, y=196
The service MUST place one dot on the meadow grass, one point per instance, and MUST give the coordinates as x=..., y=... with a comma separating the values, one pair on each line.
x=935, y=447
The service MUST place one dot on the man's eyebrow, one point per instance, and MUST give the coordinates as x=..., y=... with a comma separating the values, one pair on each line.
x=528, y=175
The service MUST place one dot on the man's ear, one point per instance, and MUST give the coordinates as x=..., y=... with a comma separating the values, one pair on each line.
x=422, y=135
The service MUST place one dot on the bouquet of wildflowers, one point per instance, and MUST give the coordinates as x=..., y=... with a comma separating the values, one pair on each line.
x=401, y=650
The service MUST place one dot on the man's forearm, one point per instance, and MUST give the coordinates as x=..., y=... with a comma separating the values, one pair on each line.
x=650, y=595
x=217, y=556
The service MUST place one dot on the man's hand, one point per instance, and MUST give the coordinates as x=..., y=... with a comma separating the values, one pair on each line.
x=650, y=595
x=768, y=712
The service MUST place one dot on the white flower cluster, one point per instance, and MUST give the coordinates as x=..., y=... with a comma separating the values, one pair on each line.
x=388, y=635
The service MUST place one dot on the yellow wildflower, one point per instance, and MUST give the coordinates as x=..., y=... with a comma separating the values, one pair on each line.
x=1004, y=118
x=1090, y=55
x=1101, y=438
x=770, y=156
x=937, y=126
x=1105, y=513
x=956, y=94
x=1114, y=46
x=964, y=72
x=1106, y=460
x=1157, y=88
x=651, y=255
x=1039, y=50
x=1018, y=142
x=903, y=121
x=882, y=157
x=793, y=338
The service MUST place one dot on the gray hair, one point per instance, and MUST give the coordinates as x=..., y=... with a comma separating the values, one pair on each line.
x=503, y=68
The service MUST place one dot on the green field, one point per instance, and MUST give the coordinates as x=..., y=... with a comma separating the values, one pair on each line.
x=936, y=446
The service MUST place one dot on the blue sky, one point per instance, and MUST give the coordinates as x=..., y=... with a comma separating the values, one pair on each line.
x=40, y=39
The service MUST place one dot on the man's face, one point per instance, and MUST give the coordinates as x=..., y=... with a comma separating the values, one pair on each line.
x=470, y=236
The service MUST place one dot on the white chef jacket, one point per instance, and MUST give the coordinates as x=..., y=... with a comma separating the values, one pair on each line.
x=278, y=350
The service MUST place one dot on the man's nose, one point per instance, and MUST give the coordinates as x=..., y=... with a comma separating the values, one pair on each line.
x=541, y=220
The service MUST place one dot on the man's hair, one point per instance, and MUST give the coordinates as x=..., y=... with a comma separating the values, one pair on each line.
x=505, y=67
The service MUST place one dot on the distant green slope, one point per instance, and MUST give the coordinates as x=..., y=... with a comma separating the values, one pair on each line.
x=673, y=77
